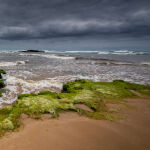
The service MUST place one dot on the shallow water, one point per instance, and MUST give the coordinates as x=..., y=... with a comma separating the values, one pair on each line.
x=34, y=72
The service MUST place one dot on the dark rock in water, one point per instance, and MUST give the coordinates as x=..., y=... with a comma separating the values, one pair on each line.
x=2, y=71
x=2, y=84
x=33, y=51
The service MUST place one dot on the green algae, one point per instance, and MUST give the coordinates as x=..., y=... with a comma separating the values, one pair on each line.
x=2, y=84
x=91, y=94
x=2, y=71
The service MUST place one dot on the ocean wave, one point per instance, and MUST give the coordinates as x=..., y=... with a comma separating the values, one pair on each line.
x=50, y=56
x=3, y=64
x=81, y=51
x=31, y=84
x=10, y=51
x=121, y=63
x=104, y=61
x=58, y=57
x=101, y=52
x=145, y=63
x=15, y=86
x=122, y=52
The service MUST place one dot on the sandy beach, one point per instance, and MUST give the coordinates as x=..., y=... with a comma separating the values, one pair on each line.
x=72, y=132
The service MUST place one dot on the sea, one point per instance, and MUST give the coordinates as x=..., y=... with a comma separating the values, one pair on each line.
x=49, y=70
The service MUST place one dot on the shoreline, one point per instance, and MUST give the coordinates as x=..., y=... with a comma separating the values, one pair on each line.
x=84, y=115
x=85, y=97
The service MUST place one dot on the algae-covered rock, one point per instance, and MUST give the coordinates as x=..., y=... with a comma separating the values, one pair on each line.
x=2, y=71
x=86, y=92
x=33, y=51
x=2, y=84
x=7, y=124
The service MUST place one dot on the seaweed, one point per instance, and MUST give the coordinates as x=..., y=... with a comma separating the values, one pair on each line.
x=91, y=94
x=2, y=84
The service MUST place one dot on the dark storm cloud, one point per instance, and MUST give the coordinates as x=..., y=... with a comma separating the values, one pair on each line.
x=46, y=19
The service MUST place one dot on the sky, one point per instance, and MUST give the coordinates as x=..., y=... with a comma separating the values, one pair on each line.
x=75, y=24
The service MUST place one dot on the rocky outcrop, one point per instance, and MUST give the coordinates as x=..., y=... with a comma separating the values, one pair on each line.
x=2, y=84
x=33, y=51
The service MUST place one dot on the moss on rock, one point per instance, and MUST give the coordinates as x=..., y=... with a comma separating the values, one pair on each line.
x=80, y=91
x=2, y=71
x=2, y=84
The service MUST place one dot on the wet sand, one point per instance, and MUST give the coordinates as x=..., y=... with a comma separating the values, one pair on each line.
x=72, y=132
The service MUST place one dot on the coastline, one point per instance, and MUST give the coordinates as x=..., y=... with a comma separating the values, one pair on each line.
x=74, y=75
x=32, y=72
x=94, y=100
x=105, y=109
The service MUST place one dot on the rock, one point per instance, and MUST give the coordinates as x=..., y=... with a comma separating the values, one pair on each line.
x=2, y=71
x=33, y=51
x=2, y=84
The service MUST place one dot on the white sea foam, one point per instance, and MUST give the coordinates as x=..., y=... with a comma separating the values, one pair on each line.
x=116, y=52
x=121, y=63
x=145, y=63
x=122, y=52
x=119, y=52
x=10, y=51
x=49, y=56
x=104, y=52
x=81, y=51
x=12, y=63
x=58, y=57
x=15, y=86
x=32, y=85
x=64, y=79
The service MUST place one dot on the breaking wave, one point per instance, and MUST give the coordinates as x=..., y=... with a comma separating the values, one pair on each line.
x=122, y=52
x=16, y=86
x=145, y=63
x=100, y=52
x=3, y=64
x=50, y=56
x=81, y=51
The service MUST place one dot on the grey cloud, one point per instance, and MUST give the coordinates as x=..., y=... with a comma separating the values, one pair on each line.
x=60, y=28
x=99, y=19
